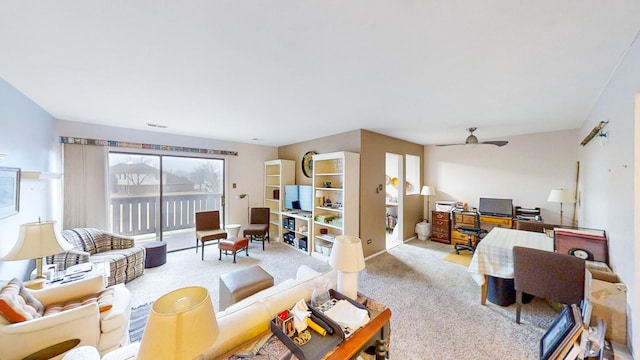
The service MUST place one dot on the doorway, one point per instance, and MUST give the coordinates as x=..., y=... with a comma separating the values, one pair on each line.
x=394, y=179
x=155, y=197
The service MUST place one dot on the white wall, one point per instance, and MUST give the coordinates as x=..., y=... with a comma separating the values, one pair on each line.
x=27, y=137
x=609, y=184
x=524, y=170
x=245, y=170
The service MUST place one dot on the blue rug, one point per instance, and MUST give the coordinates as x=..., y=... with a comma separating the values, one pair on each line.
x=138, y=321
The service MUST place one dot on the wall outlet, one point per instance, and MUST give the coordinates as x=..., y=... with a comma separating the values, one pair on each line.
x=369, y=242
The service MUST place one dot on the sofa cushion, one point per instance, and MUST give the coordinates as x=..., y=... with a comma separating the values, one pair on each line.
x=287, y=284
x=17, y=304
x=304, y=272
x=104, y=299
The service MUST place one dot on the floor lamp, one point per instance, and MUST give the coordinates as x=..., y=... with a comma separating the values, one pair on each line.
x=560, y=196
x=427, y=191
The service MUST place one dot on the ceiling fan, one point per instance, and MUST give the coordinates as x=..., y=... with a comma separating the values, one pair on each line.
x=472, y=140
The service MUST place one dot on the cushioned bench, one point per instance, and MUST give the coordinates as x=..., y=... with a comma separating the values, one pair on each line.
x=234, y=245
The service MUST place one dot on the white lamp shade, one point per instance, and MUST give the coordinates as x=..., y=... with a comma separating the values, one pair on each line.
x=428, y=190
x=37, y=240
x=560, y=196
x=346, y=254
x=182, y=325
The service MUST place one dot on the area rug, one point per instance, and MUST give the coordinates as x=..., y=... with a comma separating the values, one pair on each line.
x=138, y=320
x=464, y=258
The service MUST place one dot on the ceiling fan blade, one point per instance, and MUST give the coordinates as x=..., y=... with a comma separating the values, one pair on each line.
x=496, y=143
x=449, y=144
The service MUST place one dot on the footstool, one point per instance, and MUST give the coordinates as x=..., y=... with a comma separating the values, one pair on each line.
x=156, y=253
x=234, y=245
x=239, y=284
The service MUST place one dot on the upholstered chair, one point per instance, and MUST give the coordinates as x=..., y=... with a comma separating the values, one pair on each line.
x=258, y=228
x=552, y=276
x=208, y=228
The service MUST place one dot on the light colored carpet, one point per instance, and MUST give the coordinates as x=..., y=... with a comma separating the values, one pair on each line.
x=435, y=304
x=464, y=258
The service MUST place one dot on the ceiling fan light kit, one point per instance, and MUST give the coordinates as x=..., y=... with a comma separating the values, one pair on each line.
x=472, y=141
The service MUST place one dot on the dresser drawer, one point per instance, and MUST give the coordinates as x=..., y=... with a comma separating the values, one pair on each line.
x=465, y=219
x=440, y=234
x=500, y=221
x=440, y=215
x=441, y=224
x=440, y=237
x=456, y=235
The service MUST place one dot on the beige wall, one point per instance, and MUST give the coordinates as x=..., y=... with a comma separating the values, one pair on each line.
x=349, y=141
x=524, y=170
x=372, y=148
x=372, y=204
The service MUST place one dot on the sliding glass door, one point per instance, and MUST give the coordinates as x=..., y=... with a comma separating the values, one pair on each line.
x=154, y=197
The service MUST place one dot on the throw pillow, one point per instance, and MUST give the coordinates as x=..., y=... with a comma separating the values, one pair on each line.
x=104, y=299
x=17, y=304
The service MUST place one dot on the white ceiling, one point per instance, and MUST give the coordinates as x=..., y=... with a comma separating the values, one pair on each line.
x=291, y=70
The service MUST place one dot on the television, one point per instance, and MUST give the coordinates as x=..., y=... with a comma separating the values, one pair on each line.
x=298, y=197
x=496, y=207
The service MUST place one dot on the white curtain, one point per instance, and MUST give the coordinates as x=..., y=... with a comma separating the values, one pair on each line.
x=86, y=193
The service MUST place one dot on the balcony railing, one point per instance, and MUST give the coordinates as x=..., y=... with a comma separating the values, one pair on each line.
x=136, y=215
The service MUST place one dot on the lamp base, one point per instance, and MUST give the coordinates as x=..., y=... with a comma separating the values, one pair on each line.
x=39, y=272
x=348, y=284
x=35, y=284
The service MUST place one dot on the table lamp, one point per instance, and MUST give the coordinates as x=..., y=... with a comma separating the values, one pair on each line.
x=182, y=325
x=37, y=240
x=348, y=258
x=560, y=196
x=320, y=197
x=428, y=190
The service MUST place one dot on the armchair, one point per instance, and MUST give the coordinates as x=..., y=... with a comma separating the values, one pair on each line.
x=258, y=228
x=78, y=324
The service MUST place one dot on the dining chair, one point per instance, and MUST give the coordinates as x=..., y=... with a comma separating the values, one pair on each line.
x=258, y=228
x=549, y=275
x=208, y=228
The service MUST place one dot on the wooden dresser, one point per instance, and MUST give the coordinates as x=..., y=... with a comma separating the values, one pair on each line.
x=441, y=226
x=465, y=219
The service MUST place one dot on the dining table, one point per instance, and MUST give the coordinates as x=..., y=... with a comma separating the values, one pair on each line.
x=493, y=255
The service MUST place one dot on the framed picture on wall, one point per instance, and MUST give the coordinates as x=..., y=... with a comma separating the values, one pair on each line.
x=9, y=191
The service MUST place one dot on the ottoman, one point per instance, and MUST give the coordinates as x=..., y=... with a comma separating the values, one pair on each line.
x=239, y=284
x=156, y=253
x=234, y=245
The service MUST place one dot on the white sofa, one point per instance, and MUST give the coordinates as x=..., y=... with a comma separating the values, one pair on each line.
x=241, y=321
x=106, y=331
x=251, y=316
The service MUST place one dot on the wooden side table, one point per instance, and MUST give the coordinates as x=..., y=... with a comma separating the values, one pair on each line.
x=374, y=333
